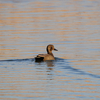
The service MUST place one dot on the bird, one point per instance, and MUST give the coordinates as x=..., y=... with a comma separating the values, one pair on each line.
x=48, y=56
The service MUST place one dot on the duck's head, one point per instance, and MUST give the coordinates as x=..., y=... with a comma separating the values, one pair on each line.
x=49, y=48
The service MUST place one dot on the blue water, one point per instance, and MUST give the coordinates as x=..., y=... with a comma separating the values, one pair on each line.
x=27, y=27
x=27, y=79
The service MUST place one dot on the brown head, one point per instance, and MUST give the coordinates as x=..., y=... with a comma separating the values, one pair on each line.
x=49, y=49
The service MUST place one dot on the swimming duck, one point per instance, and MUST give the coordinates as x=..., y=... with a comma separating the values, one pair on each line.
x=48, y=56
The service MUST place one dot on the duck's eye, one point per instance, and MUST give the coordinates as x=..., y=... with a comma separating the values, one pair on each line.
x=51, y=49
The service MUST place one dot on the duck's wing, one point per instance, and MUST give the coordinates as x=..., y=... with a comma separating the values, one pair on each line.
x=44, y=57
x=40, y=57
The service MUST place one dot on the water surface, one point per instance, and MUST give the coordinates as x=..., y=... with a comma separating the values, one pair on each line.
x=27, y=27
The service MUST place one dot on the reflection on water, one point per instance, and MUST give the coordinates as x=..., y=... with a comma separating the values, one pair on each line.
x=27, y=27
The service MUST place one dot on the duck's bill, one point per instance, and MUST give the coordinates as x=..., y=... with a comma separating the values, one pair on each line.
x=55, y=49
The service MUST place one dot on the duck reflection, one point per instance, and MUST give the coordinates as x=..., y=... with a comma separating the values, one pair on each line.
x=49, y=63
x=45, y=69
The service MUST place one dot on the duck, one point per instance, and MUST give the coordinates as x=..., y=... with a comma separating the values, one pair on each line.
x=48, y=56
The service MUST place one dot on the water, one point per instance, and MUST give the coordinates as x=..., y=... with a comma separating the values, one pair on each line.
x=27, y=27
